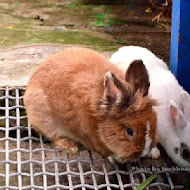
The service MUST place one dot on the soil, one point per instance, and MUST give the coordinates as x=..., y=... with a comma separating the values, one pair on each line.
x=103, y=27
x=30, y=32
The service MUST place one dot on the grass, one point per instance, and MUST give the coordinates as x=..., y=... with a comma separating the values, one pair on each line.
x=17, y=28
x=17, y=36
x=145, y=183
x=104, y=20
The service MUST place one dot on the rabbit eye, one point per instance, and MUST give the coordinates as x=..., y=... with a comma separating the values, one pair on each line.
x=129, y=131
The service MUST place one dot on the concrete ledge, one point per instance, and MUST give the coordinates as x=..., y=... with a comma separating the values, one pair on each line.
x=17, y=64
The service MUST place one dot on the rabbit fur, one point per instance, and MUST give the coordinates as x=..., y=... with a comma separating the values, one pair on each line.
x=173, y=111
x=78, y=97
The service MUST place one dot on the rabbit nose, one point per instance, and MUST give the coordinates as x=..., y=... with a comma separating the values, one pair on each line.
x=185, y=152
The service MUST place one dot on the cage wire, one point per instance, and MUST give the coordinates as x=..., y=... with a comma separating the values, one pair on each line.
x=28, y=161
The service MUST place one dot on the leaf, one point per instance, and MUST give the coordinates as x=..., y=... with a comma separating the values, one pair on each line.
x=118, y=40
x=10, y=27
x=72, y=5
x=163, y=25
x=148, y=10
x=147, y=182
x=99, y=23
x=112, y=21
x=109, y=11
x=16, y=4
x=100, y=16
x=2, y=41
x=119, y=22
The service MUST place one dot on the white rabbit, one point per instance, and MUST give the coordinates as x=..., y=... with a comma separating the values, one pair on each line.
x=174, y=102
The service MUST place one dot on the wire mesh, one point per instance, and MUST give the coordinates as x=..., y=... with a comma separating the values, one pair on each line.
x=29, y=161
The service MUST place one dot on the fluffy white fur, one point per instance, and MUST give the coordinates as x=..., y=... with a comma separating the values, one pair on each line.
x=148, y=141
x=174, y=103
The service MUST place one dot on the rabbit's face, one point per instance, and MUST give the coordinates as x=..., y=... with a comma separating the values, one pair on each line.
x=131, y=136
x=180, y=117
x=128, y=126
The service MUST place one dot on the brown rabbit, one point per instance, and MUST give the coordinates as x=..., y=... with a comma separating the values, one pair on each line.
x=77, y=96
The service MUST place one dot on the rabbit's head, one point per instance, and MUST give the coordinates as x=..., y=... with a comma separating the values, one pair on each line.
x=128, y=126
x=179, y=147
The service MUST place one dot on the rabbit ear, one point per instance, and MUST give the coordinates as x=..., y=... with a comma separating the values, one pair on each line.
x=111, y=92
x=138, y=77
x=177, y=116
x=185, y=103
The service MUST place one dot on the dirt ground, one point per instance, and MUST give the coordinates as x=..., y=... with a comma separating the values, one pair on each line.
x=103, y=27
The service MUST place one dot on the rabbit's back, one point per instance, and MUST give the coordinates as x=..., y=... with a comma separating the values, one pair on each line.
x=74, y=73
x=66, y=89
x=127, y=54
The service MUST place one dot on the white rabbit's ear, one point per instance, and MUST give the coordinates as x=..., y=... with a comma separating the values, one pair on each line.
x=111, y=92
x=137, y=76
x=185, y=103
x=177, y=116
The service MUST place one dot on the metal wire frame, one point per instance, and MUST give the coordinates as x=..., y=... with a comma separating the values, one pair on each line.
x=28, y=161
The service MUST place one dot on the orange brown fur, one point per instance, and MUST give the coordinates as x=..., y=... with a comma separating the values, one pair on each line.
x=63, y=101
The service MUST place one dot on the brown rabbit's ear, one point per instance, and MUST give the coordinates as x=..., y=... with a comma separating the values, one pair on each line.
x=112, y=94
x=138, y=77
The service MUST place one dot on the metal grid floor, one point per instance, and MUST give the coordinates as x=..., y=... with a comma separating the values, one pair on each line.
x=27, y=161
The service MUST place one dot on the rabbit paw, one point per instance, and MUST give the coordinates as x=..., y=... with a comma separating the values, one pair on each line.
x=66, y=144
x=154, y=153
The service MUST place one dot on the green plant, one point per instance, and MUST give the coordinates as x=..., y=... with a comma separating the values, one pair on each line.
x=99, y=23
x=118, y=40
x=100, y=20
x=16, y=4
x=147, y=182
x=72, y=5
x=100, y=16
x=187, y=184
